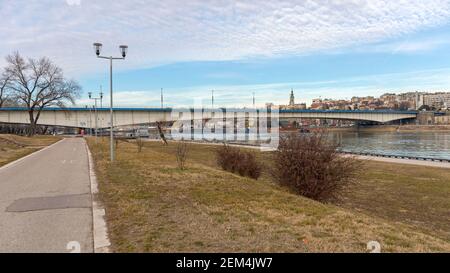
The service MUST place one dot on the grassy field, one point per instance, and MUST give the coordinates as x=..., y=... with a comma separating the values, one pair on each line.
x=152, y=206
x=415, y=195
x=13, y=147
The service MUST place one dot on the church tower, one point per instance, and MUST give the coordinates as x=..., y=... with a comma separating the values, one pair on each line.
x=292, y=99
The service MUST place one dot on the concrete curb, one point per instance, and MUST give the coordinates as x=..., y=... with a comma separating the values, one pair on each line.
x=10, y=164
x=99, y=229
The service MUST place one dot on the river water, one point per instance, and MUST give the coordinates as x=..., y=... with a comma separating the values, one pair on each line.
x=434, y=145
x=421, y=144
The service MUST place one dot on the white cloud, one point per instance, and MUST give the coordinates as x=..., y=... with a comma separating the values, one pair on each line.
x=160, y=32
x=73, y=2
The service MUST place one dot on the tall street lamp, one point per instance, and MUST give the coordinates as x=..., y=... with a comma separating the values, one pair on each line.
x=101, y=97
x=162, y=99
x=90, y=120
x=95, y=110
x=123, y=51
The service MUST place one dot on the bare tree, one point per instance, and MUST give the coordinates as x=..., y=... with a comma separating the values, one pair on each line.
x=161, y=133
x=38, y=83
x=4, y=94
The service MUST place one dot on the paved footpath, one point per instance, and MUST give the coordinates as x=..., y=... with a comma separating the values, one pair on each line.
x=45, y=201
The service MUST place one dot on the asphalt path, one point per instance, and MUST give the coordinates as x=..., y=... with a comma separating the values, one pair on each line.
x=45, y=201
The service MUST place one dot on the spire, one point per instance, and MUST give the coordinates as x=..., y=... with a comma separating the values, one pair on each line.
x=292, y=98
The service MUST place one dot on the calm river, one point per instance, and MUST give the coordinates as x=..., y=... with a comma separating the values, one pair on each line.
x=421, y=144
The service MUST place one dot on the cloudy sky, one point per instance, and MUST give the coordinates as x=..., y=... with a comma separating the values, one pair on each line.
x=320, y=48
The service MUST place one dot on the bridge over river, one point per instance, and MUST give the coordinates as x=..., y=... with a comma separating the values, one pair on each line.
x=85, y=117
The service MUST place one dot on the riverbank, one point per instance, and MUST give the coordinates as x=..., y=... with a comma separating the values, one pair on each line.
x=426, y=163
x=152, y=206
x=390, y=128
x=380, y=158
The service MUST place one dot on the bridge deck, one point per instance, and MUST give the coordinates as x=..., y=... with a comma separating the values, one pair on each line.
x=85, y=117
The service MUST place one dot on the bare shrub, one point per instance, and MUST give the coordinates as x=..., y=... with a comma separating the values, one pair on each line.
x=312, y=167
x=181, y=153
x=249, y=166
x=139, y=144
x=235, y=160
x=227, y=157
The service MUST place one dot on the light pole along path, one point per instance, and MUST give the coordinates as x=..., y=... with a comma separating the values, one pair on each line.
x=95, y=110
x=123, y=50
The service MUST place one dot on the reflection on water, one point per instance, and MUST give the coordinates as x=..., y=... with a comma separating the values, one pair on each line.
x=420, y=144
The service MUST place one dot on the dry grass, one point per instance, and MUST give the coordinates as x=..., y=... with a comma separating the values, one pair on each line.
x=152, y=206
x=418, y=196
x=13, y=147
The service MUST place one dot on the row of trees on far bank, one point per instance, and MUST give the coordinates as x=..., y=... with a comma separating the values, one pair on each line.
x=35, y=84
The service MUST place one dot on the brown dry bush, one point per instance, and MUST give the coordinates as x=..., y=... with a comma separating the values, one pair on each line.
x=235, y=160
x=181, y=154
x=312, y=167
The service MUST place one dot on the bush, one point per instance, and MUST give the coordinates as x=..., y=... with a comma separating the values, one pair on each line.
x=234, y=160
x=139, y=144
x=181, y=153
x=312, y=167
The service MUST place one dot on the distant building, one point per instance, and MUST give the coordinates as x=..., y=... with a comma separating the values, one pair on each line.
x=440, y=100
x=426, y=118
x=442, y=120
x=292, y=105
x=388, y=101
x=388, y=97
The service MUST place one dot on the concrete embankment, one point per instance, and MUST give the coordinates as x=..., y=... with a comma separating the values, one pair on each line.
x=391, y=128
x=427, y=163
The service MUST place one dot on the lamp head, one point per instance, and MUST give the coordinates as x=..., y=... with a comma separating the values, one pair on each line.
x=98, y=48
x=123, y=50
x=90, y=94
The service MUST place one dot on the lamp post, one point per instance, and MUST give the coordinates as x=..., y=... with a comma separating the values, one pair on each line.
x=95, y=111
x=90, y=120
x=162, y=99
x=101, y=97
x=123, y=51
x=254, y=101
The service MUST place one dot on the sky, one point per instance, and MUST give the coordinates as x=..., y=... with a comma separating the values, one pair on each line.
x=322, y=48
